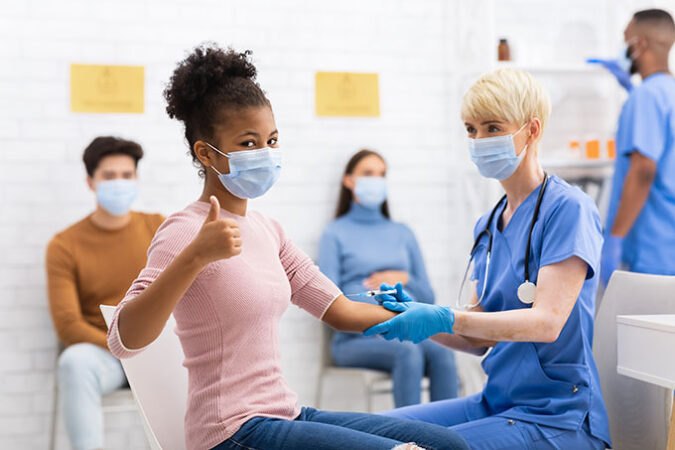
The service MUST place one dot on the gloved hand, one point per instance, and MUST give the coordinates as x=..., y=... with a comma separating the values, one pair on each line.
x=612, y=65
x=400, y=296
x=416, y=322
x=611, y=257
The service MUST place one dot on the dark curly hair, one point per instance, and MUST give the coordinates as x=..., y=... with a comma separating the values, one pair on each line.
x=207, y=85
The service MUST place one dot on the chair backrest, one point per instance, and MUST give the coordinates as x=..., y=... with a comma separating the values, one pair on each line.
x=159, y=382
x=638, y=411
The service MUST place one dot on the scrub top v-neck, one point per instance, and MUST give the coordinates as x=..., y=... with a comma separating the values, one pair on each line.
x=554, y=384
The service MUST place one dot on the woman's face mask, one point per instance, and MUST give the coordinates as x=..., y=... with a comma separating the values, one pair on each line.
x=116, y=196
x=252, y=172
x=371, y=192
x=496, y=156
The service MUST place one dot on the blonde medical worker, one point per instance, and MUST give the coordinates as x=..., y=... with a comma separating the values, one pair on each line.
x=532, y=278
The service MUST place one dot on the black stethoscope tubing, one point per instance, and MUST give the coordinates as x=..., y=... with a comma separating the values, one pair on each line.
x=535, y=215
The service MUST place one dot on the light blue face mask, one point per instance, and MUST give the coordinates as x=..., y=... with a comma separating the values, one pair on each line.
x=496, y=156
x=624, y=61
x=371, y=192
x=625, y=58
x=116, y=196
x=252, y=172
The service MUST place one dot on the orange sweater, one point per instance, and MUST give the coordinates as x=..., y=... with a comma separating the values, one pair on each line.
x=88, y=266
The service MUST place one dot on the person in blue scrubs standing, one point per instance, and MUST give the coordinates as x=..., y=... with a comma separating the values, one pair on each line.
x=532, y=289
x=640, y=227
x=364, y=248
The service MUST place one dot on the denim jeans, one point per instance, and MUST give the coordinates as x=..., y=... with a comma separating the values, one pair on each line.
x=407, y=363
x=324, y=430
x=86, y=372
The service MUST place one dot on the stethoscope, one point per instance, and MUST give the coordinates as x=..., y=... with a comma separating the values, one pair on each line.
x=527, y=290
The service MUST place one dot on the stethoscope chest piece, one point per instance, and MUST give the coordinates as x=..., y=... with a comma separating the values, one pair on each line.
x=527, y=292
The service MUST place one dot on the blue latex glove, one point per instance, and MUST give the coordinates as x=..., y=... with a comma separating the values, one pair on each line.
x=400, y=296
x=612, y=65
x=611, y=256
x=416, y=321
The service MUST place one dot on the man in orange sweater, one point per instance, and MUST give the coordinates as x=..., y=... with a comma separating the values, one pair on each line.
x=92, y=263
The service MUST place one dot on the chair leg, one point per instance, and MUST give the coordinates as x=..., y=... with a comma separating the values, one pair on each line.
x=369, y=397
x=55, y=416
x=319, y=390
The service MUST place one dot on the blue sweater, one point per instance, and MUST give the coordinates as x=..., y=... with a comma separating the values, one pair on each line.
x=364, y=241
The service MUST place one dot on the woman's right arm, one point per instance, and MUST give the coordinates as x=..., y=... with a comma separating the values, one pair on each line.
x=142, y=318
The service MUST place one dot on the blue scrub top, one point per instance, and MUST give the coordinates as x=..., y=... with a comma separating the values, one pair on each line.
x=647, y=125
x=553, y=384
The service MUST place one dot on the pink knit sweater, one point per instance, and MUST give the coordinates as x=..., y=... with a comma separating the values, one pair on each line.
x=228, y=321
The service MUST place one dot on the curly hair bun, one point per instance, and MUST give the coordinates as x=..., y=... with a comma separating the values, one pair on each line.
x=207, y=69
x=208, y=83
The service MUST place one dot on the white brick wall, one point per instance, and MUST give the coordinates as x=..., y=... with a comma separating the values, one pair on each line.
x=426, y=52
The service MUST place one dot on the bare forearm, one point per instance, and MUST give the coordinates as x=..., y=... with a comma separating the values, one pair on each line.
x=522, y=325
x=637, y=185
x=347, y=315
x=463, y=343
x=143, y=318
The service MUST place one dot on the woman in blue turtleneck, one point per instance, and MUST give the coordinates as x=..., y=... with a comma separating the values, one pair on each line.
x=360, y=250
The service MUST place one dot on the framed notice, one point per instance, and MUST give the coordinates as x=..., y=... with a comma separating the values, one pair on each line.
x=106, y=89
x=344, y=94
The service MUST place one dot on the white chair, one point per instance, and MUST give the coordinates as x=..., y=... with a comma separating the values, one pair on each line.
x=159, y=383
x=374, y=382
x=638, y=412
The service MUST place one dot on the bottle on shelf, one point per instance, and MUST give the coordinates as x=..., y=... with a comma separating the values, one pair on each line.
x=503, y=50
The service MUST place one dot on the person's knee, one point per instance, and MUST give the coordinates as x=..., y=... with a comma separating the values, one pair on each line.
x=77, y=362
x=436, y=353
x=409, y=354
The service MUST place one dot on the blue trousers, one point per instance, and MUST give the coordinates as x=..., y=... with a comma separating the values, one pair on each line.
x=495, y=432
x=407, y=363
x=324, y=430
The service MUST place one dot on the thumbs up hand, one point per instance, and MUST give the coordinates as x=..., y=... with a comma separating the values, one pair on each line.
x=218, y=238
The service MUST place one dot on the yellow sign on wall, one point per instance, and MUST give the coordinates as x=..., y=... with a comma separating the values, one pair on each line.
x=106, y=89
x=343, y=94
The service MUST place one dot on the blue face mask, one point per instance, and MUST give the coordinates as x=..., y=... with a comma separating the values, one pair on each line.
x=624, y=61
x=252, y=172
x=371, y=192
x=496, y=156
x=116, y=196
x=626, y=58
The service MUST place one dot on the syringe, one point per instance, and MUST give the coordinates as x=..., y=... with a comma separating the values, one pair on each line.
x=372, y=293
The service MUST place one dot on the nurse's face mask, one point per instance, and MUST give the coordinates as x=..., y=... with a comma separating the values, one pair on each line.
x=496, y=156
x=628, y=56
x=252, y=172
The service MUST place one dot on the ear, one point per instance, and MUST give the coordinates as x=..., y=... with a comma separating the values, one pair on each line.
x=204, y=153
x=349, y=182
x=534, y=130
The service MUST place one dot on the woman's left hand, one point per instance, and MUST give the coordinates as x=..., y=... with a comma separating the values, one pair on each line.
x=390, y=277
x=417, y=321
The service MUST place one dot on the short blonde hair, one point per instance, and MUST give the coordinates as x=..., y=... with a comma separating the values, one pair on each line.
x=507, y=94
